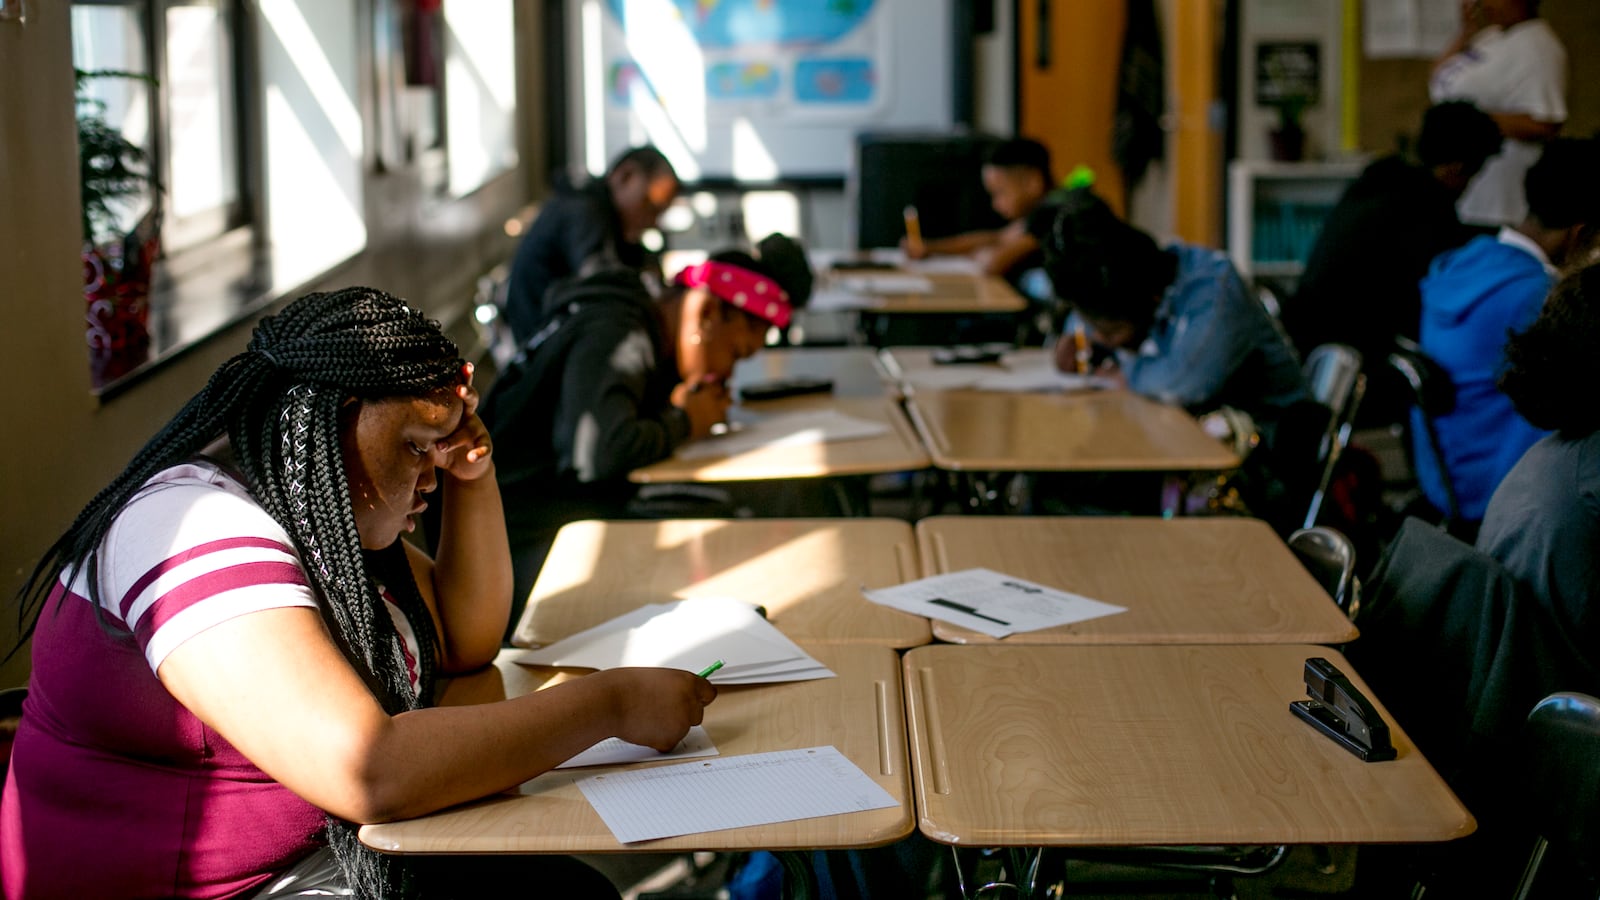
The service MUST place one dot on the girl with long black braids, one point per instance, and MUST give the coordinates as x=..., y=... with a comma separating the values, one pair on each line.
x=234, y=652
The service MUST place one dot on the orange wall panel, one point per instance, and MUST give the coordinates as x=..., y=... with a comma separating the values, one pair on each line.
x=1069, y=104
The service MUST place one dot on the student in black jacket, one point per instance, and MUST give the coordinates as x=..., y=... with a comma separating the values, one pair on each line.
x=1360, y=282
x=615, y=380
x=584, y=229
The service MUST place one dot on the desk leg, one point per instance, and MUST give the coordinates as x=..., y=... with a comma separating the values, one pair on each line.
x=853, y=493
x=799, y=882
x=1014, y=871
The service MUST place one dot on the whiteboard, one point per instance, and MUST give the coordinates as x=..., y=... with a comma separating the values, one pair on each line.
x=755, y=90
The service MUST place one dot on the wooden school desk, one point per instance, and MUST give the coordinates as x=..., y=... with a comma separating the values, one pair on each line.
x=860, y=712
x=1138, y=745
x=899, y=450
x=854, y=371
x=808, y=573
x=1184, y=581
x=1086, y=431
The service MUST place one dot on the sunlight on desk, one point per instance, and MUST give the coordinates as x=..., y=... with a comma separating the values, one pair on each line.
x=808, y=573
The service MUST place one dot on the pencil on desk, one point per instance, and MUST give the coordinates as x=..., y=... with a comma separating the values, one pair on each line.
x=1080, y=349
x=913, y=230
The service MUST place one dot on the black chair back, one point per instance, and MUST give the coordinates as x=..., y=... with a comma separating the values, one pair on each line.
x=1433, y=393
x=1330, y=557
x=1333, y=373
x=1561, y=754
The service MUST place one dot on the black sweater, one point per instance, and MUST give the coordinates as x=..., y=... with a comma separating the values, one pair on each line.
x=587, y=401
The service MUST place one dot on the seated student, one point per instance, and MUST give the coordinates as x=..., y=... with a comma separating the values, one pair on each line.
x=1543, y=522
x=621, y=380
x=1016, y=173
x=595, y=226
x=1182, y=327
x=1360, y=283
x=234, y=652
x=1474, y=296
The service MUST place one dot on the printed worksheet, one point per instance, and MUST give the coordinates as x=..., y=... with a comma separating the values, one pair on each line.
x=731, y=792
x=990, y=602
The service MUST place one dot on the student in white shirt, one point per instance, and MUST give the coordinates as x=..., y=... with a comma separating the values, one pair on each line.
x=1508, y=62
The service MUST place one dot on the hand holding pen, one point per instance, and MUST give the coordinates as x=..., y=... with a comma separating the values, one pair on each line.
x=705, y=400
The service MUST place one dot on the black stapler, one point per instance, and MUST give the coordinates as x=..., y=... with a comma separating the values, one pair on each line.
x=1340, y=711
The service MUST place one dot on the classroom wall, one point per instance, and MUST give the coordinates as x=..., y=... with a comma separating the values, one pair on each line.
x=67, y=444
x=1394, y=92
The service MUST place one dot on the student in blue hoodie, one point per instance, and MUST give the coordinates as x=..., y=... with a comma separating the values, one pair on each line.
x=1474, y=297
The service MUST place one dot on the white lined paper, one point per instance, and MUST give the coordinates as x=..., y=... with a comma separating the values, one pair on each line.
x=732, y=792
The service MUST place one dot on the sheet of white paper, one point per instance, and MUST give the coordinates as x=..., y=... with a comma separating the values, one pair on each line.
x=949, y=378
x=1391, y=28
x=945, y=265
x=788, y=429
x=731, y=792
x=689, y=635
x=835, y=298
x=1036, y=373
x=990, y=602
x=885, y=283
x=616, y=751
x=1027, y=372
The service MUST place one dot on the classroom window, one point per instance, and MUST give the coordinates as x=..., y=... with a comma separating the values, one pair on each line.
x=186, y=116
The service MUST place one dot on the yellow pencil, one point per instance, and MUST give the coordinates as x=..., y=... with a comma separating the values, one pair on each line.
x=913, y=230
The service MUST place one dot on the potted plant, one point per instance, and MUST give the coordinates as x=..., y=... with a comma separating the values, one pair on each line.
x=114, y=176
x=1289, y=138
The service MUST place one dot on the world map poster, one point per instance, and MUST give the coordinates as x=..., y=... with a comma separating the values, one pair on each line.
x=734, y=57
x=758, y=91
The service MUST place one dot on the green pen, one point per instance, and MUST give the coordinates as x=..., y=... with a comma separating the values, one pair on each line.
x=706, y=672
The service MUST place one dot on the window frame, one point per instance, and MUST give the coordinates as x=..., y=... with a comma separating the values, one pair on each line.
x=180, y=236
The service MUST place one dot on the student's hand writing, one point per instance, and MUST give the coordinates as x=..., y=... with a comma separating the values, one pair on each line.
x=657, y=707
x=1112, y=373
x=706, y=404
x=913, y=249
x=467, y=450
x=1065, y=354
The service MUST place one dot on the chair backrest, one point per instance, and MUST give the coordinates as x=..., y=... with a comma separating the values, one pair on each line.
x=1330, y=557
x=1433, y=393
x=1333, y=374
x=1432, y=389
x=1561, y=756
x=1270, y=300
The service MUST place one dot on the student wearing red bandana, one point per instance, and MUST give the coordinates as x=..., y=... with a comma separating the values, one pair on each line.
x=616, y=380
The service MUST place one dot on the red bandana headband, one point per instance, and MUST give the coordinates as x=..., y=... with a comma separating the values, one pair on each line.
x=754, y=293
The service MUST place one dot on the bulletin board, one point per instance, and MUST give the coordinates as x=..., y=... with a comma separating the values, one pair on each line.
x=756, y=90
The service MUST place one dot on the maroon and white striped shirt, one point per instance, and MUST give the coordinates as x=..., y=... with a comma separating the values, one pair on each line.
x=115, y=788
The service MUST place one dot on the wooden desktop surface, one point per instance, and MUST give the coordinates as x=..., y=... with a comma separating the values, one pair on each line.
x=1139, y=745
x=952, y=293
x=899, y=450
x=904, y=363
x=1184, y=581
x=860, y=712
x=808, y=573
x=1084, y=431
x=854, y=371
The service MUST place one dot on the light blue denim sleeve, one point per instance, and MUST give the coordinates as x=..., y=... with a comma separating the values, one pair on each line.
x=1190, y=356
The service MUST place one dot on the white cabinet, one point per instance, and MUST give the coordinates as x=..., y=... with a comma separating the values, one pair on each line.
x=1275, y=212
